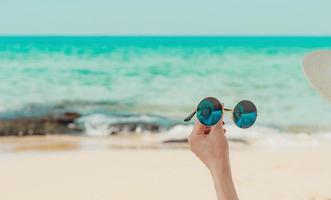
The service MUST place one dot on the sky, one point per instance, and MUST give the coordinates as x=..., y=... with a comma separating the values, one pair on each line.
x=166, y=17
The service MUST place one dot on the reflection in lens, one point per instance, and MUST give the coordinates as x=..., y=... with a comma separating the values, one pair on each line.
x=244, y=114
x=209, y=111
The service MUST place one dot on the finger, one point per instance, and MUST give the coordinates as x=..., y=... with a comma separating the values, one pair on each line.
x=224, y=130
x=199, y=128
x=222, y=112
x=207, y=130
x=220, y=123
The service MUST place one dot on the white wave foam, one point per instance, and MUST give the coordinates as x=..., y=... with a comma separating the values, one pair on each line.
x=178, y=132
x=261, y=136
x=102, y=125
x=96, y=125
x=2, y=108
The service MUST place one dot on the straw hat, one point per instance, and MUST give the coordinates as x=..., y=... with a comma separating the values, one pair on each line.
x=317, y=67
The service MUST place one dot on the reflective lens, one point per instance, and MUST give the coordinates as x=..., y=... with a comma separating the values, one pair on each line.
x=209, y=111
x=244, y=114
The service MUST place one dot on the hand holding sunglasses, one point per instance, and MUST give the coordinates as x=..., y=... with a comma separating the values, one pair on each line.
x=209, y=112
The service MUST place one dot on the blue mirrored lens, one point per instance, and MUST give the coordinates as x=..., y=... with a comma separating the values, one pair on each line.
x=244, y=114
x=209, y=111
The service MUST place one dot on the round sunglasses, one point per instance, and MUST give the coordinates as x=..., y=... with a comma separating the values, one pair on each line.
x=209, y=112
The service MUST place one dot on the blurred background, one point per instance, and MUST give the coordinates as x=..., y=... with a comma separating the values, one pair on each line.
x=98, y=76
x=101, y=85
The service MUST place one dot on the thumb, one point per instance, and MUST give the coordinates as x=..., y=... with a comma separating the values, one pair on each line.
x=219, y=124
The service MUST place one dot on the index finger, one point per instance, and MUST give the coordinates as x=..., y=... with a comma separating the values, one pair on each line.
x=199, y=128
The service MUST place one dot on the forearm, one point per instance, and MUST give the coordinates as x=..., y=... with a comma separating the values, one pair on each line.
x=223, y=182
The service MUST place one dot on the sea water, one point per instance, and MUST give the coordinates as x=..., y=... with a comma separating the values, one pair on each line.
x=160, y=79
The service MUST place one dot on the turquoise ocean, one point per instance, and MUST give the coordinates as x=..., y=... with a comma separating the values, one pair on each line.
x=160, y=80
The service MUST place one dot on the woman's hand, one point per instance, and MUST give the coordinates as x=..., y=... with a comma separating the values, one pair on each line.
x=210, y=145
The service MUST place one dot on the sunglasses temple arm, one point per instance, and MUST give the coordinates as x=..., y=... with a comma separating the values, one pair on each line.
x=188, y=118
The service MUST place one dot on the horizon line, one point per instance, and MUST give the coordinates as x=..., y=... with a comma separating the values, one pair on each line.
x=150, y=35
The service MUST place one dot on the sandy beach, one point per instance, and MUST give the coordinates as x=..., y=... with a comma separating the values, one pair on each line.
x=58, y=167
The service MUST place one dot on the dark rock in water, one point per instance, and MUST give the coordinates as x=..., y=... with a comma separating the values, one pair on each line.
x=134, y=127
x=59, y=124
x=65, y=123
x=184, y=140
x=176, y=141
x=238, y=140
x=65, y=118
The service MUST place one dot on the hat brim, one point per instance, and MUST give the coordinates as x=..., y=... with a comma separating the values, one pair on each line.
x=317, y=67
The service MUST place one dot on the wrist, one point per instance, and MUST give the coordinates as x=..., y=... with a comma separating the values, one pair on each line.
x=220, y=170
x=219, y=166
x=222, y=178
